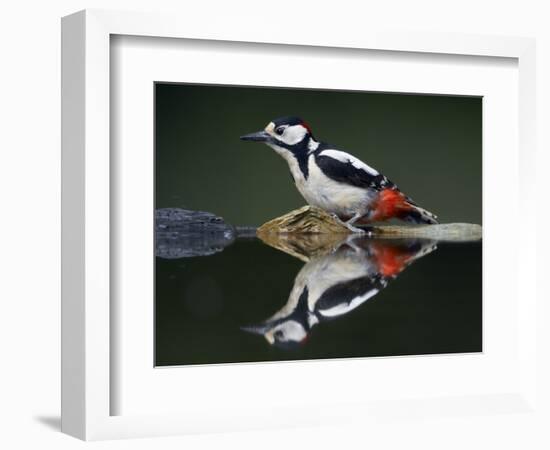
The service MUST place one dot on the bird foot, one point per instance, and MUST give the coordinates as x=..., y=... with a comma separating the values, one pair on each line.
x=349, y=225
x=353, y=229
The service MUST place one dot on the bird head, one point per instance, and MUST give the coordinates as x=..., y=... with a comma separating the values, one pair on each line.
x=289, y=327
x=285, y=133
x=284, y=334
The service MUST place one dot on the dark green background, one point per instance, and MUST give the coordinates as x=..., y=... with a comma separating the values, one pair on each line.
x=430, y=146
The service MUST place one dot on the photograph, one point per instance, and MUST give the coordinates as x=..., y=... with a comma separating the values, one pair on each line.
x=308, y=224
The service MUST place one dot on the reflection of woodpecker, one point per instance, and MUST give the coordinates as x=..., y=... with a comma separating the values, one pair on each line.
x=333, y=285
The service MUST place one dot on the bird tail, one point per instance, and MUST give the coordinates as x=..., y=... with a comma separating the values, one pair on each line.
x=393, y=203
x=416, y=214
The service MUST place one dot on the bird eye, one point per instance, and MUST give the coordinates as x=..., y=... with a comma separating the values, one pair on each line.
x=279, y=130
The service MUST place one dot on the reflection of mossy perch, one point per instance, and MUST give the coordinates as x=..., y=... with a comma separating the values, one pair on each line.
x=304, y=245
x=312, y=220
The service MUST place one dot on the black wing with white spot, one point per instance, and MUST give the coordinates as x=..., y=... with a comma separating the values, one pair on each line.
x=345, y=168
x=344, y=297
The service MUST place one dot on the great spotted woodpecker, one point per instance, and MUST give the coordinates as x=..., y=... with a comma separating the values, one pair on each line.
x=335, y=284
x=336, y=181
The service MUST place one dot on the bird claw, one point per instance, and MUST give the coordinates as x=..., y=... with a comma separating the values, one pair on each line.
x=354, y=229
x=348, y=225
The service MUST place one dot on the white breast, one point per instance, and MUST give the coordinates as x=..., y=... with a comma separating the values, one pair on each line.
x=323, y=192
x=292, y=163
x=334, y=197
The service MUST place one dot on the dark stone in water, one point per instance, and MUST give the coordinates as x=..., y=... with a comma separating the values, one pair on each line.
x=183, y=233
x=178, y=219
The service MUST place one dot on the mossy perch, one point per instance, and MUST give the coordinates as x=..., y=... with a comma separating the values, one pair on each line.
x=456, y=232
x=307, y=219
x=313, y=220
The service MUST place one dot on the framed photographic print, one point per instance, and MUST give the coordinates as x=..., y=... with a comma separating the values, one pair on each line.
x=253, y=226
x=238, y=283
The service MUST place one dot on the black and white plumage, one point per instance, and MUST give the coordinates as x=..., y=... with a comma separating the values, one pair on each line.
x=336, y=181
x=333, y=285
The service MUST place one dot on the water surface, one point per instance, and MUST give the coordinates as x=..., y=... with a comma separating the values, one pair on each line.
x=252, y=302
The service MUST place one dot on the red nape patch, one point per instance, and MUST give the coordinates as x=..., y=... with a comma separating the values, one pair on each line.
x=390, y=260
x=390, y=203
x=307, y=127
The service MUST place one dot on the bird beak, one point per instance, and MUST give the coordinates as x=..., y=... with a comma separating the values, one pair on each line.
x=260, y=136
x=256, y=329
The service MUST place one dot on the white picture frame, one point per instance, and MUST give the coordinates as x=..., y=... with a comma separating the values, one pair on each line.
x=86, y=198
